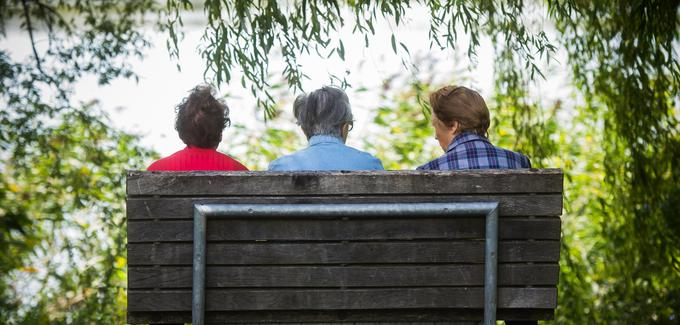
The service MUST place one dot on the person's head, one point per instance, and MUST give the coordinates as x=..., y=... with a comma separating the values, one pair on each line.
x=201, y=118
x=325, y=111
x=457, y=109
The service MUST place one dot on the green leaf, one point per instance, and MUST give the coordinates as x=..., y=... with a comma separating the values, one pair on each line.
x=394, y=44
x=341, y=50
x=405, y=48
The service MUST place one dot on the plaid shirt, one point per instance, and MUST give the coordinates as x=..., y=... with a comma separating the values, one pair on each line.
x=471, y=151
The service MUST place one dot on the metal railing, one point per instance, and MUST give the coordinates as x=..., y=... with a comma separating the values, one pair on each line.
x=360, y=210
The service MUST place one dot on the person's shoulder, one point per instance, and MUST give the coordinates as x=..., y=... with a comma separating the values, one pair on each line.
x=521, y=159
x=372, y=160
x=276, y=164
x=430, y=165
x=438, y=163
x=165, y=163
x=358, y=152
x=157, y=165
x=283, y=163
x=230, y=162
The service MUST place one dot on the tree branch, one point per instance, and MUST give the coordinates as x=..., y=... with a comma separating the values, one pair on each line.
x=60, y=19
x=29, y=26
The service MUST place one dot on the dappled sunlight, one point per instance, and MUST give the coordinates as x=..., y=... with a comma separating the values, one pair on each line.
x=90, y=89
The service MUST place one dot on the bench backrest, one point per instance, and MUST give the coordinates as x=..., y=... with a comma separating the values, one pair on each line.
x=299, y=269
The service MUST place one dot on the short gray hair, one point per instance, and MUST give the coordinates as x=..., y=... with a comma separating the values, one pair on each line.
x=323, y=111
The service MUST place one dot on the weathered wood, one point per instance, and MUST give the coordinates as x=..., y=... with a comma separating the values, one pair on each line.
x=365, y=229
x=182, y=208
x=339, y=276
x=342, y=183
x=382, y=271
x=387, y=298
x=343, y=253
x=316, y=317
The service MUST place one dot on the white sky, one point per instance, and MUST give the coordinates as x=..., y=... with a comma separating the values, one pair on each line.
x=147, y=107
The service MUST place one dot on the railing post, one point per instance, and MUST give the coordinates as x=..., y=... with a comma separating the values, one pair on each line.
x=490, y=266
x=198, y=294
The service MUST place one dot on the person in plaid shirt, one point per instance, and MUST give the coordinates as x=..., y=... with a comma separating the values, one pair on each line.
x=461, y=119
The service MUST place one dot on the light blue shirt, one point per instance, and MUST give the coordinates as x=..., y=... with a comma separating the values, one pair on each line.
x=326, y=153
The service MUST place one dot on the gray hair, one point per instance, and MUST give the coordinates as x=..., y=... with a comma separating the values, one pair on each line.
x=323, y=111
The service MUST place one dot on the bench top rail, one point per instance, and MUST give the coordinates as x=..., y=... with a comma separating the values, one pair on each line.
x=206, y=183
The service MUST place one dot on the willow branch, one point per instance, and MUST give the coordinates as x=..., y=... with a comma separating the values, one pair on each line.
x=29, y=26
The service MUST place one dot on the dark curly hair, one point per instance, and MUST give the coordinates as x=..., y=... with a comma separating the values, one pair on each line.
x=201, y=118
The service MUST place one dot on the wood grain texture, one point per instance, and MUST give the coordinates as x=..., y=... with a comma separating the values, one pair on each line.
x=180, y=277
x=315, y=299
x=362, y=317
x=427, y=271
x=183, y=208
x=329, y=230
x=343, y=253
x=344, y=183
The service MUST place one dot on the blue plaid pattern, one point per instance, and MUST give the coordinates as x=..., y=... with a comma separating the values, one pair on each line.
x=471, y=151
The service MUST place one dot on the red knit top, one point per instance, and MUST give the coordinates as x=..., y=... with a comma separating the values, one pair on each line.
x=194, y=158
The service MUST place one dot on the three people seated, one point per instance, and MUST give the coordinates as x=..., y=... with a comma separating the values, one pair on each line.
x=460, y=118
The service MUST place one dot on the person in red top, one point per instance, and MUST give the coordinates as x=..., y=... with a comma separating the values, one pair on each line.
x=200, y=120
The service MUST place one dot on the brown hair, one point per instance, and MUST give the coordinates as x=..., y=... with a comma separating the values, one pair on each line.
x=462, y=105
x=201, y=118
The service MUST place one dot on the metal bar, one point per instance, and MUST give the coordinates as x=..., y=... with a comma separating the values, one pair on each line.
x=359, y=210
x=490, y=266
x=198, y=294
x=370, y=210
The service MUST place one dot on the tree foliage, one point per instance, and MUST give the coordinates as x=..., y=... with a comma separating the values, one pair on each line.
x=61, y=187
x=62, y=206
x=62, y=164
x=244, y=34
x=624, y=59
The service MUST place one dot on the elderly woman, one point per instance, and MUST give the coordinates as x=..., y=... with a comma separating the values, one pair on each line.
x=461, y=119
x=326, y=118
x=200, y=121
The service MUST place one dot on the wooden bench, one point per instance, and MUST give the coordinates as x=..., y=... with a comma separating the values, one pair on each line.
x=348, y=247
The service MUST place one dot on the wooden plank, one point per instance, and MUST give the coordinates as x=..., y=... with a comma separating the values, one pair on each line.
x=363, y=229
x=383, y=298
x=344, y=183
x=180, y=277
x=315, y=316
x=183, y=208
x=343, y=253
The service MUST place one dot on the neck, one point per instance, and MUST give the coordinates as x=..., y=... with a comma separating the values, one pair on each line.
x=202, y=148
x=341, y=137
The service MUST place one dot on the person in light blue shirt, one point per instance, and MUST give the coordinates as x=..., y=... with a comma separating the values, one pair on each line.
x=325, y=117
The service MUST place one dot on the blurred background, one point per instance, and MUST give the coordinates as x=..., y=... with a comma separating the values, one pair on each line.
x=89, y=89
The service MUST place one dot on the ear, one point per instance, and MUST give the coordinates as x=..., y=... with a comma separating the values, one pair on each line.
x=455, y=126
x=344, y=131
